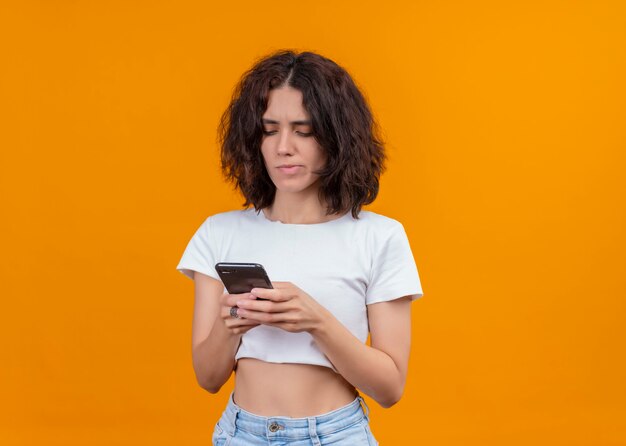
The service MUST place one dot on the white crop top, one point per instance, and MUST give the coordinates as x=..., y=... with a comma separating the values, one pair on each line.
x=345, y=264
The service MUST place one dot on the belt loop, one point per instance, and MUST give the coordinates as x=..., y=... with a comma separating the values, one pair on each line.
x=231, y=416
x=313, y=431
x=234, y=426
x=365, y=408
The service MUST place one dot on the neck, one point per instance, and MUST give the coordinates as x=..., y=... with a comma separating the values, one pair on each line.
x=297, y=208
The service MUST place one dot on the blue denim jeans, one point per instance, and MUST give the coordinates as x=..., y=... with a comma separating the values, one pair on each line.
x=348, y=425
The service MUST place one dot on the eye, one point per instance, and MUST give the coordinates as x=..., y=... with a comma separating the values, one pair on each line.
x=271, y=132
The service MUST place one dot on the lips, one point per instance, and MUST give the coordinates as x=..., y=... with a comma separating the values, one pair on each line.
x=289, y=168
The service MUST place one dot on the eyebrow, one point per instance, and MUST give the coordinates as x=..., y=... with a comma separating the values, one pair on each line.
x=271, y=121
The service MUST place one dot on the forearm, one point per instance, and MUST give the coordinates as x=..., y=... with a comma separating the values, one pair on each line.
x=370, y=370
x=214, y=358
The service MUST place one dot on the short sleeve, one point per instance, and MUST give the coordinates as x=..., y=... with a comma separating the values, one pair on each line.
x=394, y=273
x=200, y=253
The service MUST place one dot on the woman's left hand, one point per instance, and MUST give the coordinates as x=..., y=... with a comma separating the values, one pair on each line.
x=288, y=307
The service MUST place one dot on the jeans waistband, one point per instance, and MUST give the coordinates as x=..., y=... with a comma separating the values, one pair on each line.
x=287, y=427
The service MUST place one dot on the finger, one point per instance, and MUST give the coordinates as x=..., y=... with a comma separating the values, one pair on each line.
x=226, y=312
x=280, y=285
x=275, y=295
x=230, y=300
x=287, y=326
x=265, y=306
x=256, y=316
x=241, y=329
x=265, y=318
x=234, y=322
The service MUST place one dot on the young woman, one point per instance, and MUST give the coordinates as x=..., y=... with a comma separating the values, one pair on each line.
x=300, y=143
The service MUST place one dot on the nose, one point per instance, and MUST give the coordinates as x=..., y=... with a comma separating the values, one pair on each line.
x=285, y=144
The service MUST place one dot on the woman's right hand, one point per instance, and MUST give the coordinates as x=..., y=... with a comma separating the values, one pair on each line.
x=236, y=326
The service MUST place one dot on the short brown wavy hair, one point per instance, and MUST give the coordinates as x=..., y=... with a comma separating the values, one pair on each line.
x=341, y=122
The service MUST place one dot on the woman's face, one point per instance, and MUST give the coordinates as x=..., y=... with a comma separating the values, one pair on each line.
x=290, y=151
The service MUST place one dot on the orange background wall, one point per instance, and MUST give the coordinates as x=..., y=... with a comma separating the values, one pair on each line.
x=506, y=138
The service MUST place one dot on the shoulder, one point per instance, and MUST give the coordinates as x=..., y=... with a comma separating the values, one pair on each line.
x=226, y=219
x=378, y=223
x=376, y=231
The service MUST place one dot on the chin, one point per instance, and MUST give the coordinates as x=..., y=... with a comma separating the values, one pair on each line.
x=293, y=186
x=290, y=189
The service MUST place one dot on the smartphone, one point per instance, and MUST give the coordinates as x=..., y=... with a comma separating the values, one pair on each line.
x=242, y=277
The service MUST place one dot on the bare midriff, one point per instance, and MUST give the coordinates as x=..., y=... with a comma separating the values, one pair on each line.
x=291, y=390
